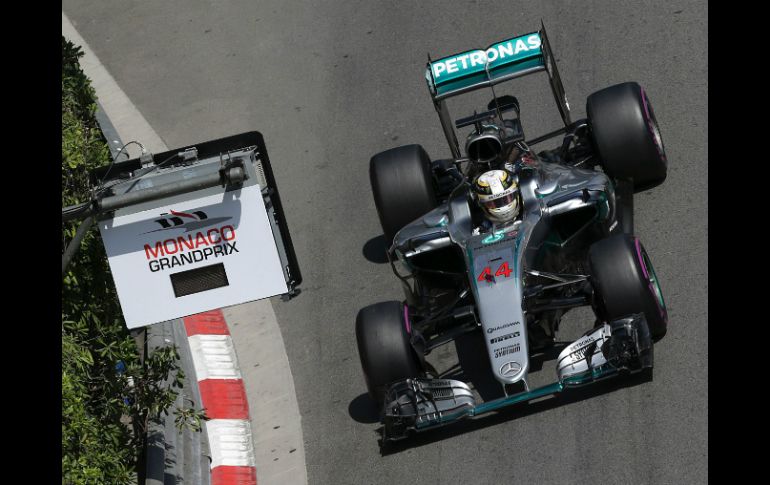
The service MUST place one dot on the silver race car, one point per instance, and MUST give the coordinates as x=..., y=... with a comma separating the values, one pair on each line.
x=503, y=241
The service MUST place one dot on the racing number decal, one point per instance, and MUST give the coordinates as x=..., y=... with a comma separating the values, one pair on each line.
x=485, y=275
x=503, y=270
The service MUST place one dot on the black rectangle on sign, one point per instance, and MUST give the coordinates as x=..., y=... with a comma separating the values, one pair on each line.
x=199, y=279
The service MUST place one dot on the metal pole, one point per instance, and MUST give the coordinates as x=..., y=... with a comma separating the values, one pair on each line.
x=234, y=176
x=73, y=246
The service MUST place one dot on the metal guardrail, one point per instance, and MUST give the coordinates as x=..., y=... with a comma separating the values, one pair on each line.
x=196, y=467
x=175, y=456
x=172, y=456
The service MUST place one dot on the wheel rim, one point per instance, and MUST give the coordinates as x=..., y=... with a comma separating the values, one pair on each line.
x=652, y=280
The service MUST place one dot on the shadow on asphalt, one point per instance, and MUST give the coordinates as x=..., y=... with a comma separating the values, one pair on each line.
x=375, y=250
x=364, y=410
x=569, y=396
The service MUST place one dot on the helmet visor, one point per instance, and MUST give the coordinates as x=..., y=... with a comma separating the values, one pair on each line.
x=504, y=201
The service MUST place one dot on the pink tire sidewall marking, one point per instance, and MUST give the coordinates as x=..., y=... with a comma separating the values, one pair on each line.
x=640, y=257
x=651, y=126
x=407, y=323
x=638, y=246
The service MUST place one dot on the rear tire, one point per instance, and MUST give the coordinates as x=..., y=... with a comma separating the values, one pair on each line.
x=625, y=282
x=626, y=135
x=387, y=355
x=402, y=186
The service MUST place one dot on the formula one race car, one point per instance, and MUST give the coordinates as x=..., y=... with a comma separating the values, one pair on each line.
x=504, y=241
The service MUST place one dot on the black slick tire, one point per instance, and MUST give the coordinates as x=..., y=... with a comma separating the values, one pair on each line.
x=626, y=135
x=402, y=186
x=383, y=338
x=625, y=282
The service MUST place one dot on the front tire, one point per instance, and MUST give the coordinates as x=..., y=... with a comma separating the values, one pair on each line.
x=625, y=282
x=626, y=135
x=383, y=333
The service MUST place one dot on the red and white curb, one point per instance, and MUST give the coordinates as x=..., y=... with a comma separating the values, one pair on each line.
x=223, y=395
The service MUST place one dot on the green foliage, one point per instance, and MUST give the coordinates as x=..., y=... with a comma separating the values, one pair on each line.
x=109, y=396
x=91, y=445
x=190, y=418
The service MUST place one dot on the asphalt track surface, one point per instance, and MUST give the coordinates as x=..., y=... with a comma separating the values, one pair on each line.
x=331, y=83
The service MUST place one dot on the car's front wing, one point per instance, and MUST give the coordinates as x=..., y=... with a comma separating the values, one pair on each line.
x=416, y=405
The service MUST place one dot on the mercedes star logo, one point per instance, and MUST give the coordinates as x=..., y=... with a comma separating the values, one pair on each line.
x=510, y=369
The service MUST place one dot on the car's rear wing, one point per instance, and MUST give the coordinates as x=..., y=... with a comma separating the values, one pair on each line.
x=473, y=69
x=502, y=61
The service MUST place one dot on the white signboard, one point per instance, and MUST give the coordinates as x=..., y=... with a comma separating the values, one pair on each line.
x=198, y=255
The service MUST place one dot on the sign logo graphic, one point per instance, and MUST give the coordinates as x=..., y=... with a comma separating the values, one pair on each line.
x=176, y=219
x=189, y=221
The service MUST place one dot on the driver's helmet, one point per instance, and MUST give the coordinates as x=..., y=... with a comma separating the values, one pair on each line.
x=498, y=194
